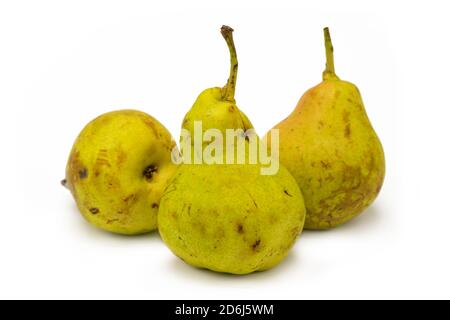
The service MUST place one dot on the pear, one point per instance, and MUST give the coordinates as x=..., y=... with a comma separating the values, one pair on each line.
x=332, y=150
x=229, y=217
x=216, y=107
x=117, y=171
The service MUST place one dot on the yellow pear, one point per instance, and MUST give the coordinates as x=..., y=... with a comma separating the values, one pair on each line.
x=229, y=217
x=118, y=168
x=332, y=150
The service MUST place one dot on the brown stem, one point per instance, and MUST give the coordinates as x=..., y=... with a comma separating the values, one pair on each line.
x=329, y=72
x=230, y=88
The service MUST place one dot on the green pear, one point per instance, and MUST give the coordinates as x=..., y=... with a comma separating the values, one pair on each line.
x=229, y=217
x=118, y=168
x=332, y=150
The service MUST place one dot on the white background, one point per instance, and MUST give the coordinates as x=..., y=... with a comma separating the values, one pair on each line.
x=62, y=63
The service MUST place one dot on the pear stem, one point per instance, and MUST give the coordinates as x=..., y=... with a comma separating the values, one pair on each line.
x=230, y=88
x=329, y=70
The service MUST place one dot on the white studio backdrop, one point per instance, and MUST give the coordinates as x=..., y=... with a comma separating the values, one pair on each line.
x=62, y=63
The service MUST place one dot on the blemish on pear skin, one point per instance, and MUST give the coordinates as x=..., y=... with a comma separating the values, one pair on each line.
x=149, y=172
x=155, y=206
x=122, y=157
x=231, y=109
x=94, y=210
x=112, y=221
x=201, y=227
x=130, y=197
x=240, y=228
x=287, y=193
x=346, y=116
x=189, y=210
x=102, y=162
x=102, y=158
x=350, y=195
x=348, y=131
x=321, y=124
x=152, y=126
x=256, y=244
x=325, y=164
x=320, y=182
x=337, y=94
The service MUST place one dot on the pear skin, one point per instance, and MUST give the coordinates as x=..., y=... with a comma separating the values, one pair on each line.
x=229, y=217
x=332, y=150
x=117, y=171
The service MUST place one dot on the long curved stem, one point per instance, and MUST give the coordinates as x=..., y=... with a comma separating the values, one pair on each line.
x=329, y=70
x=230, y=88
